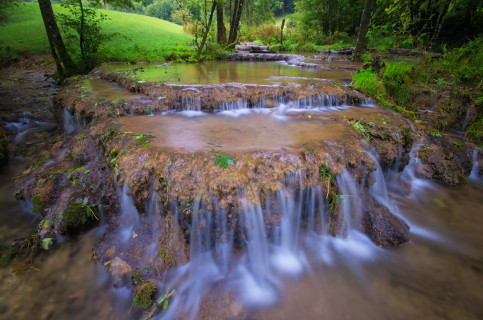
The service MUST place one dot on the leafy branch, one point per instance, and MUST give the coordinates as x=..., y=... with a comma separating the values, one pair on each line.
x=222, y=160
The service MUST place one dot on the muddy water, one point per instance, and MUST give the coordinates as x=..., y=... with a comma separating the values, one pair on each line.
x=271, y=73
x=252, y=131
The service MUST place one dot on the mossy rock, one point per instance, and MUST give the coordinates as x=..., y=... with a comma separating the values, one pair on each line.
x=144, y=294
x=78, y=214
x=39, y=205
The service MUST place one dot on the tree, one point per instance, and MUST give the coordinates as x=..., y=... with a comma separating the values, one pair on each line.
x=83, y=25
x=65, y=65
x=361, y=45
x=235, y=21
x=220, y=24
x=162, y=9
x=207, y=28
x=440, y=21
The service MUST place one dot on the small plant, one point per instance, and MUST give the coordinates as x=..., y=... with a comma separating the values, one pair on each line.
x=142, y=138
x=458, y=144
x=336, y=200
x=324, y=173
x=222, y=160
x=46, y=243
x=359, y=126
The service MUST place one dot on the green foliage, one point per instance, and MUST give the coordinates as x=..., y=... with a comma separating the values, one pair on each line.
x=319, y=20
x=336, y=200
x=161, y=9
x=466, y=63
x=149, y=38
x=4, y=6
x=397, y=80
x=325, y=173
x=475, y=132
x=222, y=160
x=360, y=127
x=367, y=81
x=46, y=243
x=79, y=212
x=143, y=139
x=83, y=25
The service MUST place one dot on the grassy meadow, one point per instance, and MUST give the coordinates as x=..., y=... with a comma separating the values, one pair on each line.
x=143, y=38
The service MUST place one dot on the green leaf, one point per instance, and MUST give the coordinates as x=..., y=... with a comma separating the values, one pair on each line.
x=165, y=305
x=46, y=243
x=217, y=161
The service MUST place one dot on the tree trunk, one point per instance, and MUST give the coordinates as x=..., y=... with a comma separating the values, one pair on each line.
x=220, y=25
x=55, y=40
x=281, y=32
x=81, y=34
x=439, y=24
x=207, y=30
x=236, y=21
x=361, y=44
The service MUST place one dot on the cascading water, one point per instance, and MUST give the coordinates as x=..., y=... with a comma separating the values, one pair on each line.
x=250, y=253
x=70, y=125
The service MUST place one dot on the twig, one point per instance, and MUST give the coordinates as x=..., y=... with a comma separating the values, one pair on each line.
x=152, y=312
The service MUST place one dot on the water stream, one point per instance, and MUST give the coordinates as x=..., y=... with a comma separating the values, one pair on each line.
x=275, y=260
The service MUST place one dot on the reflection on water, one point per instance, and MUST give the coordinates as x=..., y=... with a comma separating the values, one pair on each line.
x=106, y=89
x=213, y=72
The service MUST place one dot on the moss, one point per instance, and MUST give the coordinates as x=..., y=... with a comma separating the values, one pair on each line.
x=144, y=295
x=39, y=205
x=475, y=132
x=167, y=256
x=77, y=214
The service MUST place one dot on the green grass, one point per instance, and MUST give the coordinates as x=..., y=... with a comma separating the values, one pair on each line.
x=145, y=38
x=366, y=81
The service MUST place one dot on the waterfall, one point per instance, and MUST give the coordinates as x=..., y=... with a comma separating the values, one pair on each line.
x=129, y=217
x=475, y=175
x=70, y=124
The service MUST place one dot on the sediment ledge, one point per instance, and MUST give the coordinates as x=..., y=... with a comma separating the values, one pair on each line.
x=163, y=97
x=154, y=195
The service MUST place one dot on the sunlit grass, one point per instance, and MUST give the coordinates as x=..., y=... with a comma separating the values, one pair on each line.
x=144, y=38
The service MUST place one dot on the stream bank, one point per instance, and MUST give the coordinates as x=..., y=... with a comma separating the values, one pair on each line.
x=170, y=211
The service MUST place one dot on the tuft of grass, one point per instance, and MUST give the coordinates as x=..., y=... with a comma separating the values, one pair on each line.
x=367, y=82
x=397, y=81
x=475, y=132
x=144, y=38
